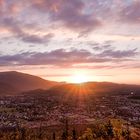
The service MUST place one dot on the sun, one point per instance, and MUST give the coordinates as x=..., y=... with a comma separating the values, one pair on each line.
x=79, y=78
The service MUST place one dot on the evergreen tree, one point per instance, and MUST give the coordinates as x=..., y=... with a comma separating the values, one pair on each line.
x=23, y=135
x=74, y=134
x=109, y=129
x=54, y=136
x=127, y=133
x=40, y=133
x=64, y=137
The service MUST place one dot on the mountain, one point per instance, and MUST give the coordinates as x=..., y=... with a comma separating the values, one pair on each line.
x=97, y=88
x=12, y=82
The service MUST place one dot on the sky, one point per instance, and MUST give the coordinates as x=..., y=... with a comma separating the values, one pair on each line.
x=56, y=39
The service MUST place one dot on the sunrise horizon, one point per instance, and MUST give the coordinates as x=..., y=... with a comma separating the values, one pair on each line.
x=55, y=40
x=72, y=79
x=69, y=69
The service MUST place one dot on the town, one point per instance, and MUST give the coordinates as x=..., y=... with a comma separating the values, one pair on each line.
x=50, y=110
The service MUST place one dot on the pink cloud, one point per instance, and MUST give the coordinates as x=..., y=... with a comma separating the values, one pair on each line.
x=71, y=14
x=131, y=13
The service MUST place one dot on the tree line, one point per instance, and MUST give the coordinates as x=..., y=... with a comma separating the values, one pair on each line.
x=104, y=131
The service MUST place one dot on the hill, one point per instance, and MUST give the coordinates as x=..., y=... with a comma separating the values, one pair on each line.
x=97, y=88
x=12, y=82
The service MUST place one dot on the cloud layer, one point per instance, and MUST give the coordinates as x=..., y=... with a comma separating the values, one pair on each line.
x=70, y=33
x=62, y=57
x=76, y=15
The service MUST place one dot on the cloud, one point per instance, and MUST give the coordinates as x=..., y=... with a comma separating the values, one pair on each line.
x=59, y=57
x=31, y=21
x=119, y=53
x=71, y=14
x=1, y=3
x=16, y=28
x=63, y=58
x=106, y=50
x=77, y=15
x=37, y=39
x=100, y=47
x=131, y=13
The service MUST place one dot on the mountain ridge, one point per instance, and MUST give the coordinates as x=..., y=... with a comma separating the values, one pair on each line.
x=95, y=88
x=19, y=82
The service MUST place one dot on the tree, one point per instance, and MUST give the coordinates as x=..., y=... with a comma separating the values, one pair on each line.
x=74, y=137
x=126, y=133
x=23, y=135
x=64, y=137
x=109, y=129
x=54, y=136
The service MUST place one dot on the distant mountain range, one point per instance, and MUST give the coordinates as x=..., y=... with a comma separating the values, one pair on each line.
x=13, y=82
x=16, y=82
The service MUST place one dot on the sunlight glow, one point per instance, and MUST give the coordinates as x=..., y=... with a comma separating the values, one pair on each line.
x=79, y=78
